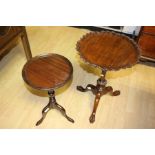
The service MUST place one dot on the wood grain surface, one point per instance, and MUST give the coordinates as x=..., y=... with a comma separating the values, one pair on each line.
x=47, y=71
x=108, y=50
x=146, y=41
x=149, y=30
x=147, y=44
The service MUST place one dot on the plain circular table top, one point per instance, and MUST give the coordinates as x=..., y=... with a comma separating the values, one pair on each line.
x=46, y=72
x=108, y=50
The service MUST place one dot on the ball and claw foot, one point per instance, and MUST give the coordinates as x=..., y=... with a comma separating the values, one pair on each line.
x=98, y=90
x=116, y=93
x=95, y=90
x=113, y=93
x=92, y=118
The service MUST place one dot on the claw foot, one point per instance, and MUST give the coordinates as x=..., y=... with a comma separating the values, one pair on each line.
x=80, y=88
x=116, y=93
x=92, y=118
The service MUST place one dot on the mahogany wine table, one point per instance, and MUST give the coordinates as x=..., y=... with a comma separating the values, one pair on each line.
x=107, y=51
x=48, y=72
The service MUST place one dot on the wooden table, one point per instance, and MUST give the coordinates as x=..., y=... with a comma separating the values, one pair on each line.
x=107, y=51
x=48, y=72
x=9, y=35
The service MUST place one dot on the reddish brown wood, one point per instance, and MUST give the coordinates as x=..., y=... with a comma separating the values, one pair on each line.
x=26, y=44
x=146, y=41
x=47, y=71
x=8, y=39
x=108, y=50
x=149, y=30
x=7, y=33
x=99, y=90
x=147, y=44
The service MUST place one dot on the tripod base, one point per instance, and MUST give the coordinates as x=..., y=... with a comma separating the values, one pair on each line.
x=99, y=90
x=53, y=105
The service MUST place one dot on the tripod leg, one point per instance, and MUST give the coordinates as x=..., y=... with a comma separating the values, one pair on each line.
x=113, y=93
x=96, y=102
x=89, y=87
x=44, y=113
x=63, y=111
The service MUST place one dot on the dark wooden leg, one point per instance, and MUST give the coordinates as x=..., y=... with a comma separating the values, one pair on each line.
x=50, y=106
x=53, y=105
x=89, y=87
x=63, y=111
x=26, y=44
x=44, y=113
x=113, y=93
x=96, y=102
x=99, y=90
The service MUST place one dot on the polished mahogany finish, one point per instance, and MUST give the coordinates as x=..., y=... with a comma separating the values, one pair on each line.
x=108, y=51
x=98, y=90
x=147, y=44
x=149, y=30
x=48, y=72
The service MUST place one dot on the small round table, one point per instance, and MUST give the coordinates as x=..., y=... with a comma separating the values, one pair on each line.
x=107, y=51
x=48, y=72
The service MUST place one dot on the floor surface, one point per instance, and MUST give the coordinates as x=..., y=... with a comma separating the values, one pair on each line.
x=21, y=108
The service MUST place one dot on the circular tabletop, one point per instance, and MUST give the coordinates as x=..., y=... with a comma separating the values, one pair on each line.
x=108, y=50
x=46, y=72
